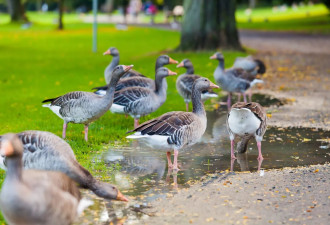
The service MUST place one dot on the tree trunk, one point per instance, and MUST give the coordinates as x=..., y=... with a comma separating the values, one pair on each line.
x=60, y=14
x=16, y=11
x=209, y=24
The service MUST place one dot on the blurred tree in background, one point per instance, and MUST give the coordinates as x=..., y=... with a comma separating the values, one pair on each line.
x=16, y=11
x=209, y=24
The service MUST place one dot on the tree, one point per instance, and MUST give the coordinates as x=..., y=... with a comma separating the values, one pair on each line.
x=209, y=24
x=60, y=14
x=16, y=11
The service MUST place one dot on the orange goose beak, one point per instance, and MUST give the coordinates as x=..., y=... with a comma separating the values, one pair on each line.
x=107, y=52
x=121, y=197
x=171, y=73
x=127, y=68
x=180, y=65
x=213, y=56
x=213, y=85
x=6, y=149
x=172, y=61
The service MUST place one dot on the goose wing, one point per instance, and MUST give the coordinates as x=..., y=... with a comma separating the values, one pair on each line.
x=172, y=124
x=69, y=97
x=187, y=82
x=129, y=95
x=132, y=73
x=134, y=82
x=241, y=73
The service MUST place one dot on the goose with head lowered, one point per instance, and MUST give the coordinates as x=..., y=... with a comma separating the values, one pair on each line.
x=245, y=121
x=251, y=65
x=185, y=82
x=33, y=197
x=115, y=62
x=138, y=81
x=174, y=130
x=85, y=107
x=232, y=80
x=140, y=101
x=46, y=151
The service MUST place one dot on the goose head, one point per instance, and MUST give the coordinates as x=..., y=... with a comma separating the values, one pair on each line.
x=218, y=56
x=163, y=72
x=112, y=51
x=119, y=71
x=11, y=146
x=186, y=63
x=108, y=191
x=203, y=84
x=164, y=60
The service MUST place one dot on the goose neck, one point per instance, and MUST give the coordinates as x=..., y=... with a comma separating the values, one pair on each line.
x=14, y=168
x=190, y=70
x=161, y=85
x=198, y=107
x=221, y=64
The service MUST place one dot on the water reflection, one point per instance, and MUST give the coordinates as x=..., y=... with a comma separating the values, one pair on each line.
x=144, y=176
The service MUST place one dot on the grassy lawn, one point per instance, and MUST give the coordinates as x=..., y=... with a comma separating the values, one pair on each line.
x=42, y=62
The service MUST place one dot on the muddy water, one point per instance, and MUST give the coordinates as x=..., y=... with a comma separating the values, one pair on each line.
x=144, y=176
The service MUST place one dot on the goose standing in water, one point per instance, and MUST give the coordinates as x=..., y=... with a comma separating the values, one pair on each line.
x=85, y=107
x=46, y=151
x=35, y=197
x=138, y=81
x=185, y=82
x=115, y=62
x=140, y=101
x=231, y=80
x=174, y=130
x=245, y=121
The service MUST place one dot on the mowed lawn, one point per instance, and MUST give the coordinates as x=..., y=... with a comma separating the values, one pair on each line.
x=41, y=63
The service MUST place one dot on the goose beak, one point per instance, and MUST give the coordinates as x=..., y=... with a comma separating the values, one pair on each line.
x=172, y=61
x=6, y=149
x=171, y=73
x=121, y=197
x=107, y=52
x=213, y=56
x=213, y=85
x=127, y=68
x=180, y=65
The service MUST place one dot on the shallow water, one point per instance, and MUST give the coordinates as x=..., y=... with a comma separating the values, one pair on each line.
x=144, y=176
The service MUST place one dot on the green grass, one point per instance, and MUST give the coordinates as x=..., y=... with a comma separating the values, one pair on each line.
x=42, y=62
x=310, y=19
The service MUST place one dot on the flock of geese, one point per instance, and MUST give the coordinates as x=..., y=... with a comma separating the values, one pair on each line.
x=42, y=170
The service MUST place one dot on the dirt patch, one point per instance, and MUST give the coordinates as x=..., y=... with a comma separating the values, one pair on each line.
x=298, y=196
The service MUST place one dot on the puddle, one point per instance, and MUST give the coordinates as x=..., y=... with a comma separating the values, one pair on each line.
x=263, y=99
x=144, y=176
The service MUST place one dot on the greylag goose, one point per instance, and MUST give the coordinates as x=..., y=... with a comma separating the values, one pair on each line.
x=46, y=151
x=251, y=65
x=231, y=80
x=139, y=101
x=115, y=62
x=85, y=107
x=138, y=81
x=246, y=120
x=32, y=196
x=185, y=82
x=174, y=130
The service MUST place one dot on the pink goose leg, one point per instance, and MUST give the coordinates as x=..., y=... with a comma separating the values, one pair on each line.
x=232, y=149
x=250, y=95
x=136, y=123
x=169, y=162
x=86, y=132
x=259, y=150
x=187, y=107
x=244, y=96
x=175, y=162
x=239, y=97
x=65, y=125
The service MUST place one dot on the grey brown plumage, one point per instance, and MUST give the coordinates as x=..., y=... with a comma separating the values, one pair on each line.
x=85, y=107
x=245, y=121
x=174, y=130
x=35, y=197
x=46, y=151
